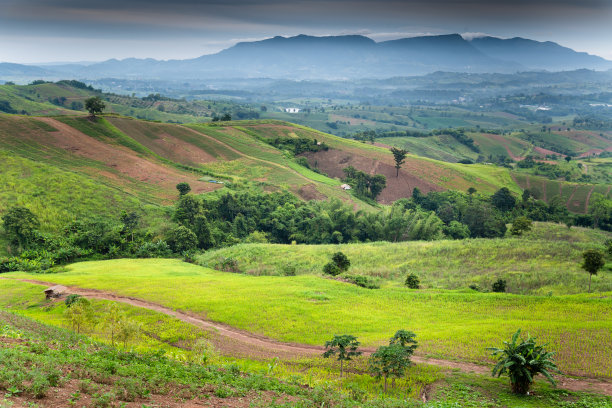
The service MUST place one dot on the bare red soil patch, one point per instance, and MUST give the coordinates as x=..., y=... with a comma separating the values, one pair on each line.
x=121, y=159
x=157, y=138
x=310, y=192
x=333, y=161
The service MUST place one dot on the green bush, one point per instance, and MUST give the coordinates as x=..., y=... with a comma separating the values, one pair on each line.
x=227, y=265
x=413, y=281
x=71, y=299
x=332, y=269
x=341, y=261
x=499, y=286
x=288, y=270
x=363, y=281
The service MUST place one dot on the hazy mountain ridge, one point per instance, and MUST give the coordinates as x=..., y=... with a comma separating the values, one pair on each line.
x=341, y=57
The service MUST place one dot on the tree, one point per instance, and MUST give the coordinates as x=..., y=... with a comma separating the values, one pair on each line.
x=520, y=225
x=503, y=200
x=393, y=360
x=126, y=330
x=601, y=209
x=80, y=314
x=20, y=225
x=183, y=188
x=406, y=339
x=182, y=239
x=522, y=360
x=471, y=190
x=112, y=320
x=345, y=346
x=130, y=222
x=593, y=262
x=399, y=156
x=568, y=159
x=94, y=105
x=389, y=361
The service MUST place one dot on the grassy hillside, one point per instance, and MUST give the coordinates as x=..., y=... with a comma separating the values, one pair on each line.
x=547, y=259
x=149, y=159
x=313, y=308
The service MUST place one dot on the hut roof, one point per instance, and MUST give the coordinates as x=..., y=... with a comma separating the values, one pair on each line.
x=56, y=289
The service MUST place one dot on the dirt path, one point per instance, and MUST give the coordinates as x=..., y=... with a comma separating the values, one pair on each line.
x=238, y=342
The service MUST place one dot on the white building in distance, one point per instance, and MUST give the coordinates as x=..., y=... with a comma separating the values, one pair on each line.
x=292, y=110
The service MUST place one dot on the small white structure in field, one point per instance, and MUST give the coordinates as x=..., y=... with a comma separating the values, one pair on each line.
x=292, y=110
x=345, y=187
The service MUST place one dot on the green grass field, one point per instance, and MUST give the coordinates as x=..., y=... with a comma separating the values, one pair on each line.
x=313, y=308
x=51, y=352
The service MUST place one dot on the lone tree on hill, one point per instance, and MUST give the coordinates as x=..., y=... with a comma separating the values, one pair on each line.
x=94, y=105
x=345, y=346
x=183, y=188
x=399, y=155
x=593, y=262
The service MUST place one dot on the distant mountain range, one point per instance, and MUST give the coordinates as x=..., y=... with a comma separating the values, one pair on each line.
x=337, y=57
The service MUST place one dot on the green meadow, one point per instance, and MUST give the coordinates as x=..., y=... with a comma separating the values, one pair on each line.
x=450, y=324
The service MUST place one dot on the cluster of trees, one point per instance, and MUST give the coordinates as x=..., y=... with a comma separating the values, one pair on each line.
x=117, y=325
x=386, y=362
x=95, y=238
x=205, y=222
x=297, y=145
x=364, y=185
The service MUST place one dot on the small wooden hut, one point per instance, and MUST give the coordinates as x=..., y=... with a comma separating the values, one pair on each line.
x=55, y=291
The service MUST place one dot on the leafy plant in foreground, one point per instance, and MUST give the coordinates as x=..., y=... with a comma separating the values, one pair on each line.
x=345, y=346
x=522, y=360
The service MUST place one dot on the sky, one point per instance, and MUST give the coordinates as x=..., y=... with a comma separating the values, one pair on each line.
x=34, y=31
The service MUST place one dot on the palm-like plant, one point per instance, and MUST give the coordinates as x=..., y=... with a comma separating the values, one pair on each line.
x=522, y=360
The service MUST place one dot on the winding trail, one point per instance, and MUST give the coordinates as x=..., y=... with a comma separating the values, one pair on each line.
x=238, y=342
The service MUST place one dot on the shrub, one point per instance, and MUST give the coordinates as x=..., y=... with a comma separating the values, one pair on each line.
x=332, y=269
x=520, y=225
x=499, y=286
x=341, y=261
x=71, y=299
x=182, y=239
x=227, y=265
x=412, y=281
x=522, y=360
x=288, y=270
x=363, y=281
